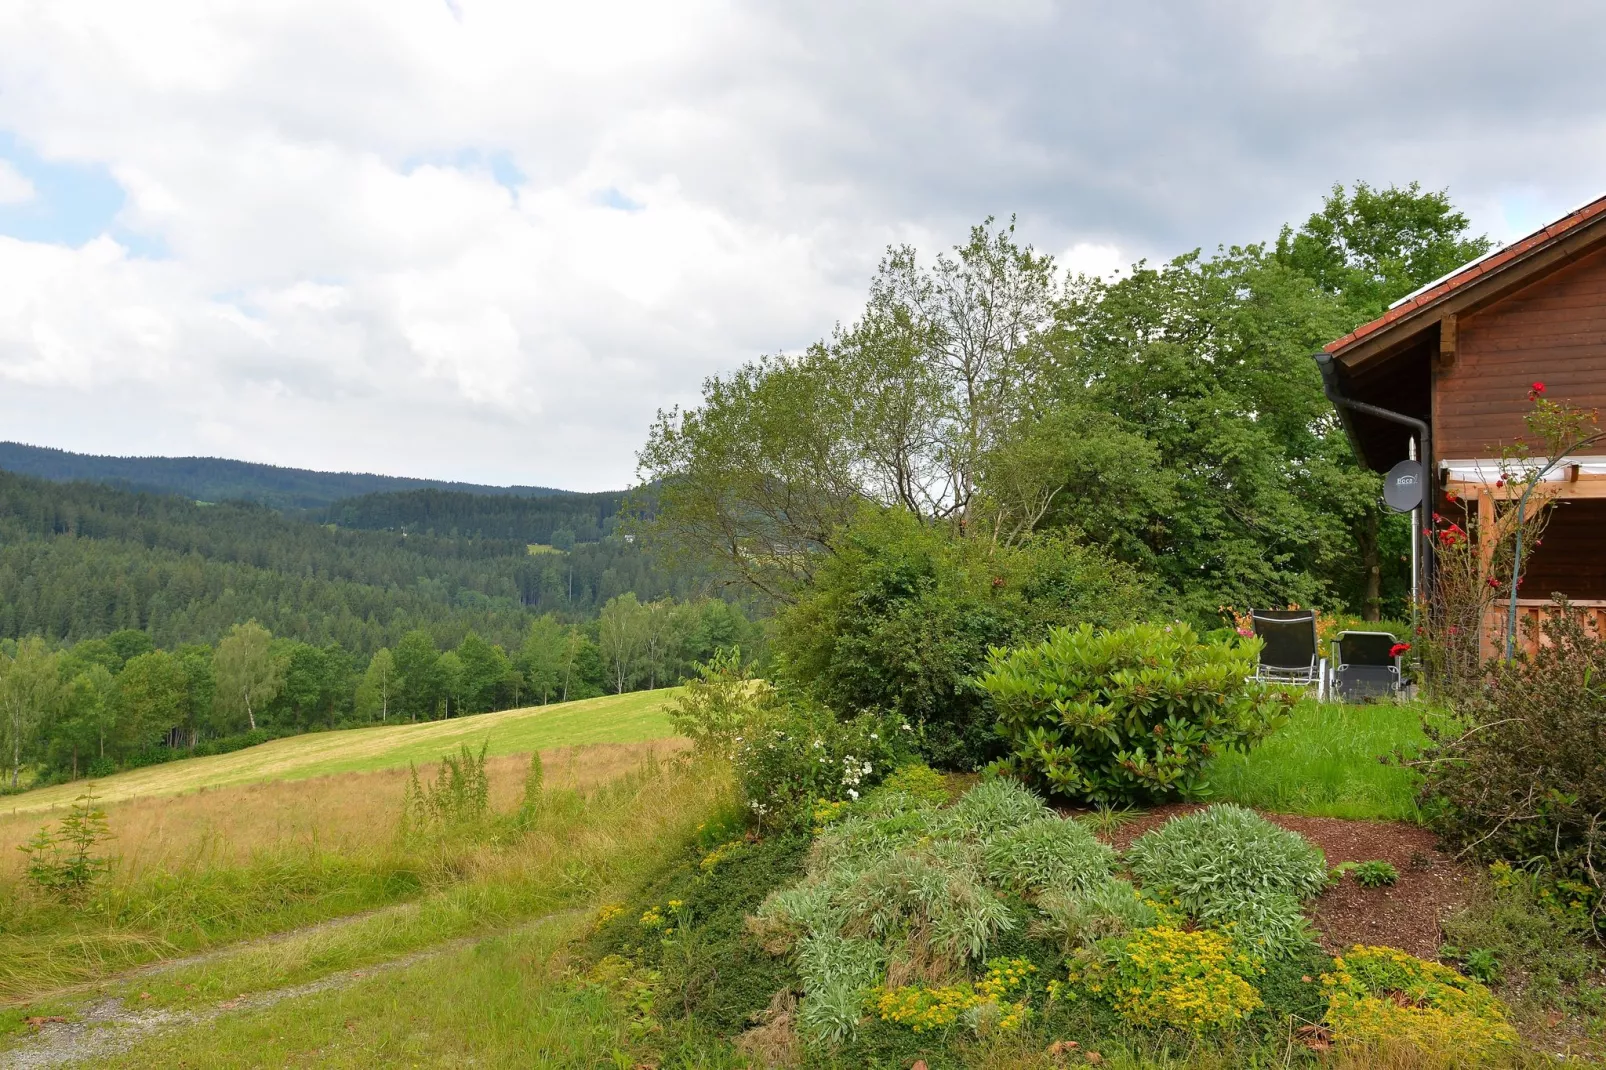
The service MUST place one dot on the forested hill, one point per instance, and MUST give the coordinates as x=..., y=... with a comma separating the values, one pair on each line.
x=213, y=479
x=559, y=520
x=79, y=560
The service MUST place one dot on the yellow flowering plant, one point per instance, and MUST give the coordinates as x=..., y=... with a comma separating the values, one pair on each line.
x=1164, y=976
x=1380, y=994
x=926, y=1008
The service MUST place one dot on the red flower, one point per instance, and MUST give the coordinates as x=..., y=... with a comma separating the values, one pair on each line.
x=1538, y=388
x=1449, y=496
x=1398, y=648
x=1493, y=582
x=1499, y=482
x=1437, y=518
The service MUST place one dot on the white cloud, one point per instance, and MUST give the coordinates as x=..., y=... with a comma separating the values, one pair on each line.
x=387, y=238
x=15, y=188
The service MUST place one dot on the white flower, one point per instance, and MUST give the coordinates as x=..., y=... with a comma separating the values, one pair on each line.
x=906, y=727
x=853, y=793
x=866, y=768
x=874, y=736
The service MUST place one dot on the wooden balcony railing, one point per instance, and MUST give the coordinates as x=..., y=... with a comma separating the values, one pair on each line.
x=1531, y=614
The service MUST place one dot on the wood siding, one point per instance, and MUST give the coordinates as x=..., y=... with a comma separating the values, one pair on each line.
x=1553, y=331
x=1571, y=556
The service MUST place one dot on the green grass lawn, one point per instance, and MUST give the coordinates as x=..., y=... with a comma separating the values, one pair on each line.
x=630, y=718
x=1325, y=763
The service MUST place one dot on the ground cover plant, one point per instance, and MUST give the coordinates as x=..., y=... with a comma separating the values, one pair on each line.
x=959, y=927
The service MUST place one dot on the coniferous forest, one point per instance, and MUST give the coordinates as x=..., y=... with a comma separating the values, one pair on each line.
x=137, y=626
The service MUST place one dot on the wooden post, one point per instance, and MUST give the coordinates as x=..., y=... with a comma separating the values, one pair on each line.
x=1489, y=633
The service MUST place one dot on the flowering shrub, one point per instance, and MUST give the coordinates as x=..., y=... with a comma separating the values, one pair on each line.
x=1131, y=714
x=1382, y=994
x=1194, y=981
x=797, y=755
x=1520, y=776
x=927, y=1008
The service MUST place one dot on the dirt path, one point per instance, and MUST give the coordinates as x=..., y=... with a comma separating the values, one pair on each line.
x=108, y=1026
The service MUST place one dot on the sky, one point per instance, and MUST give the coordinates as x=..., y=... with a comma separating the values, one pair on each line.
x=487, y=241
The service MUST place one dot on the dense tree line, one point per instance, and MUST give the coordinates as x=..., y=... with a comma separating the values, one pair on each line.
x=79, y=560
x=1171, y=417
x=556, y=520
x=110, y=702
x=214, y=479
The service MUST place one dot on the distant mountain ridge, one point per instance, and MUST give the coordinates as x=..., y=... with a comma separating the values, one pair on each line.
x=215, y=479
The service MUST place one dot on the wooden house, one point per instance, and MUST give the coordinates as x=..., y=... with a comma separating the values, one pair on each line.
x=1446, y=373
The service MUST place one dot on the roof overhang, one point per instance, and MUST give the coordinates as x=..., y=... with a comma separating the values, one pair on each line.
x=1475, y=286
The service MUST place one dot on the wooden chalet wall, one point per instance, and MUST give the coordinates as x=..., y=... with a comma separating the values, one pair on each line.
x=1553, y=331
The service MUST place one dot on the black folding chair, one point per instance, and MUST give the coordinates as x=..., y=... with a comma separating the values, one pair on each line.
x=1365, y=666
x=1289, y=652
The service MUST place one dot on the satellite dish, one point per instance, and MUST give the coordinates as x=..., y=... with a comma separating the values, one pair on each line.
x=1402, y=487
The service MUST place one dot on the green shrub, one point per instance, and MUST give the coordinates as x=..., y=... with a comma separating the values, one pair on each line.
x=995, y=806
x=901, y=615
x=1231, y=868
x=1223, y=854
x=1128, y=715
x=713, y=708
x=918, y=780
x=795, y=753
x=932, y=890
x=1081, y=918
x=1524, y=929
x=1049, y=854
x=460, y=796
x=1524, y=780
x=1270, y=924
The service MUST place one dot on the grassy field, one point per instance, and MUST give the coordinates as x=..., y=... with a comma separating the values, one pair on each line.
x=1326, y=763
x=629, y=718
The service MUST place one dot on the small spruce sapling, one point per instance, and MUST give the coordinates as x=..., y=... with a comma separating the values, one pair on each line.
x=67, y=863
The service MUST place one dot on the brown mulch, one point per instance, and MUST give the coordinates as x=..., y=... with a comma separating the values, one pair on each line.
x=1406, y=915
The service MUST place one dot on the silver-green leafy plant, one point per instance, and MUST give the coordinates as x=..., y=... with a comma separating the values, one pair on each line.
x=1227, y=865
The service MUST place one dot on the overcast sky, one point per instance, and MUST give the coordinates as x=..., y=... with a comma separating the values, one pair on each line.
x=486, y=241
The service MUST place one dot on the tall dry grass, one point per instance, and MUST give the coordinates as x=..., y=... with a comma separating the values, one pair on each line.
x=234, y=871
x=343, y=813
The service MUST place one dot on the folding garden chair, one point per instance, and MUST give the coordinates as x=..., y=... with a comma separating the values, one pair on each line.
x=1365, y=666
x=1289, y=652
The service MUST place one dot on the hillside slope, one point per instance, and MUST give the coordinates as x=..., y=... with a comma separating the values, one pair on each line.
x=79, y=560
x=216, y=479
x=628, y=718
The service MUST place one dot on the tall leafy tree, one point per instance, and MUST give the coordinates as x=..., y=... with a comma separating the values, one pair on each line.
x=542, y=657
x=30, y=693
x=1367, y=248
x=1370, y=247
x=903, y=408
x=621, y=638
x=378, y=685
x=418, y=667
x=247, y=673
x=485, y=673
x=152, y=697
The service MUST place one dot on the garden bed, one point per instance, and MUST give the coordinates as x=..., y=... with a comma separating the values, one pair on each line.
x=1406, y=915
